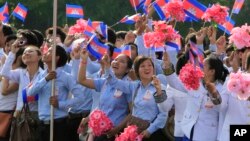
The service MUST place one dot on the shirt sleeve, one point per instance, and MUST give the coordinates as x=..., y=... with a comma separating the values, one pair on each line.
x=37, y=85
x=158, y=123
x=7, y=71
x=75, y=68
x=75, y=89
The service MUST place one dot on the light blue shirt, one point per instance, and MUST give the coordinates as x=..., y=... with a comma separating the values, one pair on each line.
x=112, y=101
x=86, y=93
x=145, y=106
x=63, y=85
x=20, y=76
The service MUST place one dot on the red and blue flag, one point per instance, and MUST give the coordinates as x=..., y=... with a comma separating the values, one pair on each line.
x=96, y=48
x=126, y=49
x=137, y=4
x=28, y=98
x=20, y=12
x=228, y=26
x=194, y=9
x=159, y=8
x=4, y=13
x=74, y=11
x=195, y=55
x=237, y=6
x=146, y=6
x=101, y=28
x=130, y=19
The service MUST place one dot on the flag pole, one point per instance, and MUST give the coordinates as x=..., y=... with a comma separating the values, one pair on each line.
x=134, y=6
x=231, y=14
x=53, y=68
x=114, y=24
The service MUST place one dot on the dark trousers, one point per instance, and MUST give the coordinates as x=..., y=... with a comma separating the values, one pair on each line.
x=60, y=130
x=157, y=136
x=7, y=137
x=74, y=121
x=104, y=138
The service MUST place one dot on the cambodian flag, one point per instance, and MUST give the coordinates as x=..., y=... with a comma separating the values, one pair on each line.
x=4, y=13
x=159, y=8
x=28, y=98
x=20, y=12
x=146, y=6
x=126, y=49
x=130, y=19
x=196, y=54
x=101, y=28
x=194, y=9
x=74, y=11
x=96, y=48
x=228, y=26
x=137, y=4
x=237, y=6
x=174, y=44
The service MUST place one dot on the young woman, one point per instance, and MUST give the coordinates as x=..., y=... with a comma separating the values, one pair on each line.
x=64, y=84
x=235, y=110
x=201, y=114
x=24, y=76
x=8, y=95
x=112, y=101
x=145, y=112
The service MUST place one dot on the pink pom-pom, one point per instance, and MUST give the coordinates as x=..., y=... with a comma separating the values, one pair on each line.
x=79, y=27
x=236, y=36
x=129, y=134
x=175, y=9
x=99, y=122
x=216, y=13
x=190, y=76
x=239, y=84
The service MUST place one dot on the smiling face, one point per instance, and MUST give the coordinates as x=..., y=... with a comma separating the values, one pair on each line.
x=31, y=55
x=120, y=65
x=47, y=56
x=146, y=69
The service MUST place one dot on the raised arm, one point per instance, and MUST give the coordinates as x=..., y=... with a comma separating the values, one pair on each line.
x=82, y=79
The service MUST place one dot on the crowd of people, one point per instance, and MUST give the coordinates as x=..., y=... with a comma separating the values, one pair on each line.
x=140, y=89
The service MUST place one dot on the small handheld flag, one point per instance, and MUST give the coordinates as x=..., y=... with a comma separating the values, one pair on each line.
x=130, y=19
x=4, y=13
x=237, y=6
x=194, y=9
x=137, y=4
x=228, y=26
x=159, y=8
x=74, y=11
x=20, y=12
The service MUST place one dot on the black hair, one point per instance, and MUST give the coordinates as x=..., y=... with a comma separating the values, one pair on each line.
x=20, y=53
x=7, y=30
x=30, y=36
x=248, y=61
x=10, y=37
x=39, y=37
x=138, y=61
x=181, y=61
x=60, y=51
x=59, y=31
x=217, y=65
x=111, y=35
x=111, y=49
x=135, y=45
x=121, y=34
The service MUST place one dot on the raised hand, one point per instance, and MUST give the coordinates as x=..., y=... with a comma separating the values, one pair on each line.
x=157, y=84
x=84, y=54
x=106, y=61
x=200, y=35
x=211, y=33
x=166, y=60
x=76, y=52
x=234, y=61
x=221, y=44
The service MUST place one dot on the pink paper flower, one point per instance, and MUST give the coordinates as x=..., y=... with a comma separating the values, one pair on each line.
x=79, y=27
x=129, y=134
x=175, y=9
x=216, y=13
x=239, y=84
x=236, y=36
x=190, y=76
x=148, y=39
x=99, y=122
